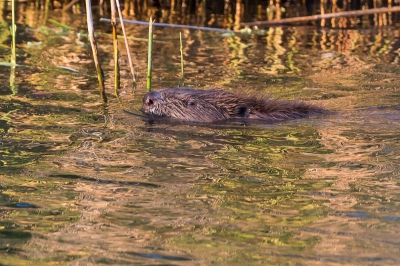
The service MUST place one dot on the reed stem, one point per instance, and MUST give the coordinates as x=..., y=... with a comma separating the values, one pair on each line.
x=150, y=56
x=117, y=82
x=100, y=75
x=126, y=45
x=13, y=30
x=182, y=72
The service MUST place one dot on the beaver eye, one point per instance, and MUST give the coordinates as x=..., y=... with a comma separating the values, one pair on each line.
x=191, y=103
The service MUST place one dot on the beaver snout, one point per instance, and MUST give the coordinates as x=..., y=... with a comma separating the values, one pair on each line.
x=151, y=98
x=154, y=103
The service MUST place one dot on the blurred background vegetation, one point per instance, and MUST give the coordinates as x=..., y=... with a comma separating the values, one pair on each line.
x=224, y=13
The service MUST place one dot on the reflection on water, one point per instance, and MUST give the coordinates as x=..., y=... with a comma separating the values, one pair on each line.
x=81, y=183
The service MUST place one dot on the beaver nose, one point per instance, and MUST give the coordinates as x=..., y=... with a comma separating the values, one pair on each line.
x=151, y=97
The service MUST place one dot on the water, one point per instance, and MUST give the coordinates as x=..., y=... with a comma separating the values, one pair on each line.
x=83, y=184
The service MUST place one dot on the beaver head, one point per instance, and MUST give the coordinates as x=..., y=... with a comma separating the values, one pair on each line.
x=194, y=105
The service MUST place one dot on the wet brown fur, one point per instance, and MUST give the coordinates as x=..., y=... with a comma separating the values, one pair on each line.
x=216, y=105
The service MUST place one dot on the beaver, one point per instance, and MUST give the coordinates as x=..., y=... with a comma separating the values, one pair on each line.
x=216, y=105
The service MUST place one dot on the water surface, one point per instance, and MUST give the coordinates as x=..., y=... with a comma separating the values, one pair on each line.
x=84, y=183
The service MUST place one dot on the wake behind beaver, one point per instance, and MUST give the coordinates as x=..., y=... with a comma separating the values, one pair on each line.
x=216, y=105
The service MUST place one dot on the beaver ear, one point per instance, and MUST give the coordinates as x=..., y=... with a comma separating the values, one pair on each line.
x=242, y=110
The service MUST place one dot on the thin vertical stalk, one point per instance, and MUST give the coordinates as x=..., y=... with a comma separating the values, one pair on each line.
x=46, y=11
x=13, y=87
x=182, y=72
x=189, y=7
x=117, y=83
x=126, y=45
x=13, y=30
x=183, y=11
x=150, y=56
x=246, y=9
x=172, y=3
x=204, y=11
x=100, y=75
